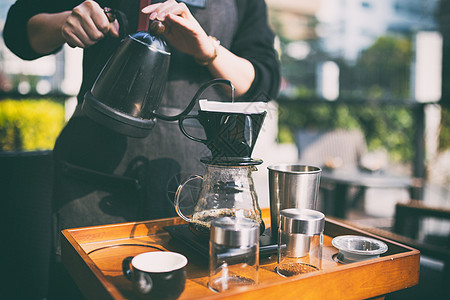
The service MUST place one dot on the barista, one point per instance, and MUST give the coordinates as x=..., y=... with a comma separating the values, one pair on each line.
x=102, y=177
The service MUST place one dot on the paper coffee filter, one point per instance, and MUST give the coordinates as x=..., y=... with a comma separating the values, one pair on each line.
x=233, y=107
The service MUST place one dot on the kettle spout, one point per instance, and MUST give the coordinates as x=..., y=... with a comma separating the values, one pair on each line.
x=194, y=100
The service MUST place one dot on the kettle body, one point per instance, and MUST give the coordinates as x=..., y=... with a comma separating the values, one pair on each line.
x=130, y=86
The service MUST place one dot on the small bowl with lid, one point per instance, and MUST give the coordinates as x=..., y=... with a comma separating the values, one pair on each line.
x=353, y=248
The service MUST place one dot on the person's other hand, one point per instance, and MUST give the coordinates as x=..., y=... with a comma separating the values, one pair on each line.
x=182, y=30
x=87, y=24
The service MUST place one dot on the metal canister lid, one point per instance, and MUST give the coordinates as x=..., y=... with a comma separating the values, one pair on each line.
x=234, y=232
x=303, y=221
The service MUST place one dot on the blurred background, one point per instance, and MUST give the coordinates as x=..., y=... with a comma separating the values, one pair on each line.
x=378, y=69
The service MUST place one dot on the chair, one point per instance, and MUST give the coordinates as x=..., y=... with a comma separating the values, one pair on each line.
x=337, y=148
x=408, y=222
x=332, y=149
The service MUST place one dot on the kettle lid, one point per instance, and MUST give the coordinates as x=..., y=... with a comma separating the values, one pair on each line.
x=152, y=41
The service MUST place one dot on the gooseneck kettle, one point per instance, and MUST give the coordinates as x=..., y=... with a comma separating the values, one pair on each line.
x=129, y=89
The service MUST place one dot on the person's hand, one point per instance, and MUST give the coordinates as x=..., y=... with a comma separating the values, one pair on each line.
x=182, y=30
x=186, y=35
x=87, y=24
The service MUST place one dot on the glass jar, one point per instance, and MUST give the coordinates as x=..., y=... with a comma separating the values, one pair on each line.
x=300, y=241
x=233, y=253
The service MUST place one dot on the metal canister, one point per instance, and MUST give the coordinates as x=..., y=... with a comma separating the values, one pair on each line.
x=300, y=241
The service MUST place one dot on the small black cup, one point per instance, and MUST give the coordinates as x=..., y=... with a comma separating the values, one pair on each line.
x=156, y=275
x=228, y=134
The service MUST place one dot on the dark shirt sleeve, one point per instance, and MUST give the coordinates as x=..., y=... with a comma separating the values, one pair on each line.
x=15, y=31
x=255, y=41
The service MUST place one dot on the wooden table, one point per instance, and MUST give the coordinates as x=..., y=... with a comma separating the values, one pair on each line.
x=96, y=266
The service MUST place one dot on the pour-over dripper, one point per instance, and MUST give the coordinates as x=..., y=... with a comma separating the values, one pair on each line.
x=230, y=136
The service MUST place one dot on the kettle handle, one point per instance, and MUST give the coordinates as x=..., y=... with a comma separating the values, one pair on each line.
x=194, y=100
x=177, y=196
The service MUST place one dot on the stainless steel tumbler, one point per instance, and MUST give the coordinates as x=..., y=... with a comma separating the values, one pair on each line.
x=291, y=186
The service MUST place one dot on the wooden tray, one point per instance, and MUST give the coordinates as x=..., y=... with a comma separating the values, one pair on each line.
x=93, y=256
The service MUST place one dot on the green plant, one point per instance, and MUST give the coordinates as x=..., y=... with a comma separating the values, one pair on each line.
x=444, y=137
x=384, y=68
x=28, y=125
x=388, y=127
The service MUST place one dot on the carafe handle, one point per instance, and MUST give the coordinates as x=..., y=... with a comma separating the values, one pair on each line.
x=178, y=193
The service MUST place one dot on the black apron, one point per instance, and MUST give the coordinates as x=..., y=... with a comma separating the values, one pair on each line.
x=102, y=177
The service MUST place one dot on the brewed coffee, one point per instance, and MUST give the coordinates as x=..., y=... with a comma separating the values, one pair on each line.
x=200, y=224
